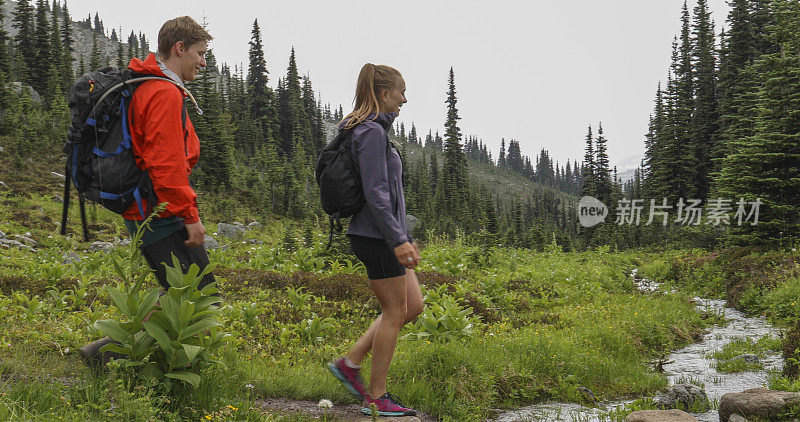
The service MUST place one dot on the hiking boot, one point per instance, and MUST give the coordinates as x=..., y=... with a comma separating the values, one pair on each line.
x=350, y=377
x=92, y=355
x=388, y=405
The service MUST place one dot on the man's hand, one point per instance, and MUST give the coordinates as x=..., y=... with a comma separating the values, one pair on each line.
x=197, y=234
x=407, y=255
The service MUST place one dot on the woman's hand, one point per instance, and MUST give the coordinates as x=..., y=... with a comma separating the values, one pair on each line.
x=407, y=255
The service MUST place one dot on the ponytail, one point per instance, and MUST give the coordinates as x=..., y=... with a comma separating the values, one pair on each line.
x=371, y=81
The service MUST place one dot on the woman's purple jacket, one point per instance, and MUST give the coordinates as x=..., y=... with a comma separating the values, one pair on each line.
x=384, y=215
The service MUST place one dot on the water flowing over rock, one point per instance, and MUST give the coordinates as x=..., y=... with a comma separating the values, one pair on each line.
x=673, y=415
x=230, y=230
x=683, y=395
x=757, y=402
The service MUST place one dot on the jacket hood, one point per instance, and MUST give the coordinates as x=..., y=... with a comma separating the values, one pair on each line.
x=384, y=119
x=148, y=66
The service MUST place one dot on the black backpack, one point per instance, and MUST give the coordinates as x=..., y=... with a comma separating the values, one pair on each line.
x=339, y=180
x=100, y=161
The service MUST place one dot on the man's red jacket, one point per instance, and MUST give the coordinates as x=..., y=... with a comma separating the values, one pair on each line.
x=160, y=144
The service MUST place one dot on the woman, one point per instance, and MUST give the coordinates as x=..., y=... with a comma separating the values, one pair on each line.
x=379, y=237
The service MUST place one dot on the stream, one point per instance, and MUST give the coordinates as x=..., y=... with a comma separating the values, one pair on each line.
x=689, y=363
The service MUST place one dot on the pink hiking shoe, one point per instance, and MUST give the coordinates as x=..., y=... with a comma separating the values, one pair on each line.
x=388, y=405
x=350, y=377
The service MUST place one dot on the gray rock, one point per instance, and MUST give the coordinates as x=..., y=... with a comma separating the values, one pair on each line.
x=673, y=415
x=11, y=242
x=239, y=225
x=757, y=402
x=18, y=88
x=587, y=394
x=2, y=235
x=26, y=240
x=3, y=184
x=685, y=396
x=736, y=418
x=71, y=257
x=254, y=225
x=210, y=243
x=411, y=222
x=750, y=358
x=58, y=199
x=57, y=175
x=230, y=230
x=101, y=246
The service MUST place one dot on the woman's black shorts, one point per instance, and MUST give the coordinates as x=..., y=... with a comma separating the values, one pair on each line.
x=379, y=260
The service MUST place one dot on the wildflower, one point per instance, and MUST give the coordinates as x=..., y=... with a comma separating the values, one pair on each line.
x=325, y=403
x=233, y=408
x=208, y=417
x=250, y=386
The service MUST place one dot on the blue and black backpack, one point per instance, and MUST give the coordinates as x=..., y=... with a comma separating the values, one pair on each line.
x=100, y=161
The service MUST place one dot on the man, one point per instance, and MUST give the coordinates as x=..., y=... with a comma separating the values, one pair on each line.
x=166, y=146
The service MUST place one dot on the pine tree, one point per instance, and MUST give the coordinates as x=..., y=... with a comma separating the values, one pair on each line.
x=705, y=117
x=5, y=60
x=40, y=65
x=260, y=96
x=66, y=48
x=114, y=36
x=55, y=80
x=24, y=50
x=313, y=114
x=213, y=129
x=589, y=174
x=98, y=25
x=133, y=46
x=294, y=127
x=763, y=165
x=501, y=160
x=144, y=46
x=603, y=186
x=452, y=188
x=95, y=60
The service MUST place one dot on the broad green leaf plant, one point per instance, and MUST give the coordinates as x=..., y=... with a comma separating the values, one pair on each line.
x=171, y=337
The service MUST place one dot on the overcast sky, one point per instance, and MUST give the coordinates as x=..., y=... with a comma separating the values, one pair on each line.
x=535, y=71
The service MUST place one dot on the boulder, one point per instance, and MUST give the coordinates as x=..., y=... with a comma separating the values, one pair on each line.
x=673, y=415
x=757, y=402
x=411, y=222
x=686, y=396
x=254, y=225
x=750, y=358
x=736, y=418
x=101, y=246
x=230, y=230
x=210, y=243
x=11, y=243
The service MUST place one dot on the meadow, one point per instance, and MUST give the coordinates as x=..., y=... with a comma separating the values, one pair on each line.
x=502, y=327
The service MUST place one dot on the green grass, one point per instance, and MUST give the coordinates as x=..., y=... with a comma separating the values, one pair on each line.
x=725, y=362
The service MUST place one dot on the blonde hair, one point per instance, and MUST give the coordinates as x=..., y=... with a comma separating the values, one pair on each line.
x=183, y=29
x=371, y=81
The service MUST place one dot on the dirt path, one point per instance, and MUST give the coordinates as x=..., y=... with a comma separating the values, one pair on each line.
x=349, y=412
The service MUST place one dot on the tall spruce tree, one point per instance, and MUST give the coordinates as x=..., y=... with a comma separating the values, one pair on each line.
x=603, y=187
x=260, y=96
x=452, y=188
x=5, y=60
x=40, y=65
x=24, y=50
x=68, y=74
x=705, y=117
x=55, y=80
x=95, y=61
x=763, y=165
x=589, y=185
x=294, y=127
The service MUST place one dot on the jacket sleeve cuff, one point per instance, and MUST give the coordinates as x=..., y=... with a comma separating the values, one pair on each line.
x=191, y=220
x=397, y=242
